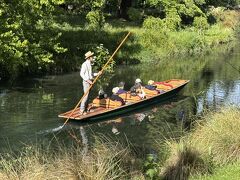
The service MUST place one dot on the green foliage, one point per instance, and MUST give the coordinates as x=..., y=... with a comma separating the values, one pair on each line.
x=172, y=20
x=200, y=23
x=151, y=167
x=227, y=172
x=102, y=56
x=27, y=41
x=95, y=20
x=134, y=14
x=153, y=23
x=95, y=17
x=175, y=10
x=98, y=4
x=29, y=44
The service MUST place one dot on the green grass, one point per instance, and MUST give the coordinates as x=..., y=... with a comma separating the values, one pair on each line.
x=214, y=142
x=227, y=172
x=106, y=160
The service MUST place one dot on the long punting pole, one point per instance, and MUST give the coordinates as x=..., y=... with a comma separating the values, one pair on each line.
x=104, y=67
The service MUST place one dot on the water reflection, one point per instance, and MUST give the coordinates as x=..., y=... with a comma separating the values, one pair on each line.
x=143, y=126
x=84, y=140
x=31, y=106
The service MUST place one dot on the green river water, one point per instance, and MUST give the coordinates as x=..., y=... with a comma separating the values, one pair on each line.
x=29, y=109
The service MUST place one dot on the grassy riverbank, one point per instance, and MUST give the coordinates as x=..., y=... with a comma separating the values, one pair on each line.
x=147, y=42
x=210, y=151
x=213, y=145
x=106, y=160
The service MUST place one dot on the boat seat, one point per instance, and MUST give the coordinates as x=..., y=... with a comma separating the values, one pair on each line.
x=164, y=86
x=106, y=103
x=150, y=93
x=127, y=97
x=175, y=82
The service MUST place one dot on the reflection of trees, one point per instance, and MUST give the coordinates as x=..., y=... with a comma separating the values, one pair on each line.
x=222, y=84
x=155, y=123
x=175, y=68
x=171, y=119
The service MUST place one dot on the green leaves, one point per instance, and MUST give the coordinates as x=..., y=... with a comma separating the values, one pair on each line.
x=102, y=56
x=95, y=20
x=27, y=40
x=175, y=10
x=151, y=167
x=200, y=23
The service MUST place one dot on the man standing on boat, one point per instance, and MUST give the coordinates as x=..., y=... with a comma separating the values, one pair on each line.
x=87, y=76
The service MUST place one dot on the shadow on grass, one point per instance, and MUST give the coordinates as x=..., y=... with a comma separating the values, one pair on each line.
x=80, y=41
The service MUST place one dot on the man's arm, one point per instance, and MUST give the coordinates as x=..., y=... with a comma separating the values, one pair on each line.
x=98, y=73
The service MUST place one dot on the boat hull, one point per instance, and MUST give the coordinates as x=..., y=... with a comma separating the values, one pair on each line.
x=129, y=107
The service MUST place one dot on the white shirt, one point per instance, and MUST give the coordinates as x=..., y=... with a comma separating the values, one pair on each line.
x=86, y=71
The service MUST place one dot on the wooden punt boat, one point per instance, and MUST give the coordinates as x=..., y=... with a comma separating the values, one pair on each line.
x=103, y=109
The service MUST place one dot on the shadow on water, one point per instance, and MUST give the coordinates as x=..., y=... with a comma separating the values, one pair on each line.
x=30, y=108
x=145, y=111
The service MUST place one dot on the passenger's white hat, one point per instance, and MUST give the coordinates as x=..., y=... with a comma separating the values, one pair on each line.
x=115, y=90
x=138, y=80
x=150, y=82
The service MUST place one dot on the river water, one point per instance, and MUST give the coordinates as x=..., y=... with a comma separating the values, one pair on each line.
x=29, y=109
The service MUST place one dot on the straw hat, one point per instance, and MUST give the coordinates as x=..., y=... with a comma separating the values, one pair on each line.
x=115, y=90
x=88, y=54
x=150, y=82
x=138, y=80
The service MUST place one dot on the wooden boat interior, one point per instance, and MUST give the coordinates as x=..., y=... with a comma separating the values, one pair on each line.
x=103, y=105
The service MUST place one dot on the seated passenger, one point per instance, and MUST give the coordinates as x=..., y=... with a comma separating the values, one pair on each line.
x=115, y=96
x=137, y=89
x=101, y=94
x=121, y=88
x=151, y=85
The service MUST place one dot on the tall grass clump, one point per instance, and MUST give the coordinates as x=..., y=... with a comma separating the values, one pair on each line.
x=106, y=160
x=214, y=142
x=184, y=159
x=219, y=136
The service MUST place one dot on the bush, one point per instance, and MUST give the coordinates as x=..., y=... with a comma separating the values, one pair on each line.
x=200, y=23
x=95, y=20
x=134, y=14
x=102, y=56
x=153, y=23
x=173, y=20
x=228, y=18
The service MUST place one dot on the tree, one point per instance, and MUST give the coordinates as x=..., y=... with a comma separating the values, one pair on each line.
x=27, y=39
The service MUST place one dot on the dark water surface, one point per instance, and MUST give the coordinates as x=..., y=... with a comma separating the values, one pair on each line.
x=29, y=109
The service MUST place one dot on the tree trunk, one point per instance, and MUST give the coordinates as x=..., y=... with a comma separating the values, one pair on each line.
x=123, y=7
